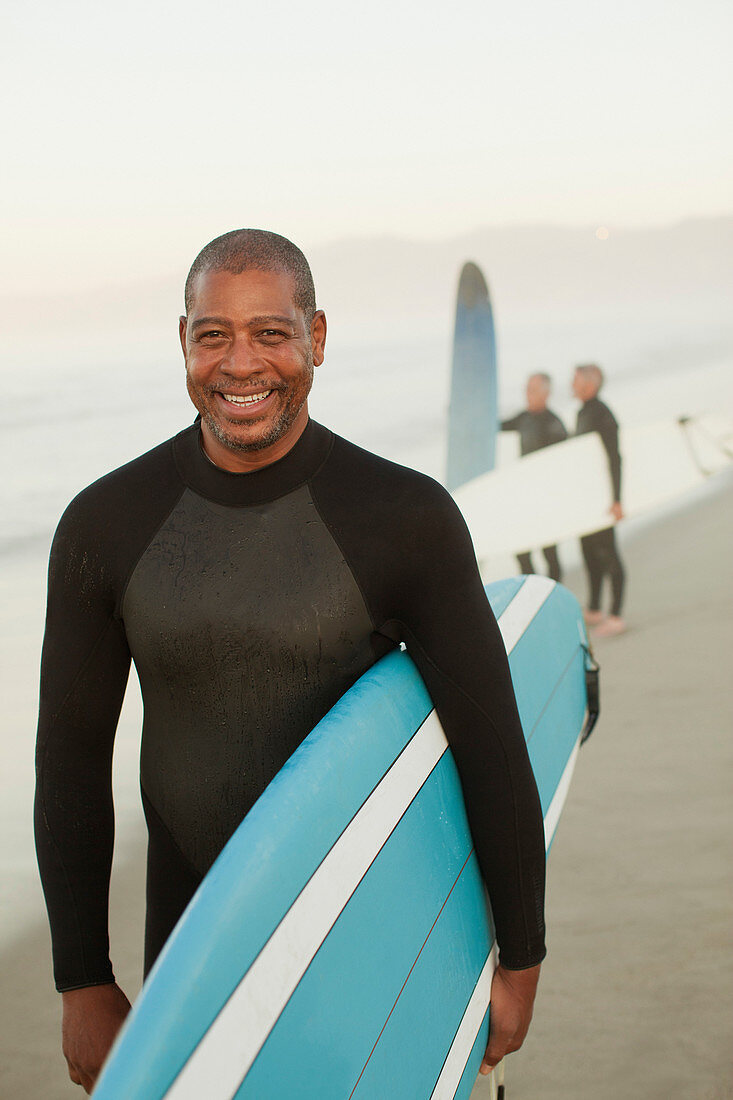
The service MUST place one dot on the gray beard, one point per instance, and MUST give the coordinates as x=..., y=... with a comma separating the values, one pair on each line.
x=278, y=429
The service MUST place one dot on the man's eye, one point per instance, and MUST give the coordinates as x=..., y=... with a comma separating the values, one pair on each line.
x=211, y=334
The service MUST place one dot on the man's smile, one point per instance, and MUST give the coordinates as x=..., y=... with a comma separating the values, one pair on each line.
x=243, y=408
x=249, y=399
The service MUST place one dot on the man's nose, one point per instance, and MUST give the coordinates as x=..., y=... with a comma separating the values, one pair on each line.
x=242, y=359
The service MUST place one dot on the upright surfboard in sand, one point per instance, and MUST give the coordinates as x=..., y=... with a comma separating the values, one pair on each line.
x=473, y=414
x=342, y=946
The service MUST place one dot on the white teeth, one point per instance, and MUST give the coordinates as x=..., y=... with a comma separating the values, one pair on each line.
x=249, y=400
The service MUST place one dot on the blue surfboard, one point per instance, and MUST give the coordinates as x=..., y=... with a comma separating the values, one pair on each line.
x=473, y=417
x=342, y=944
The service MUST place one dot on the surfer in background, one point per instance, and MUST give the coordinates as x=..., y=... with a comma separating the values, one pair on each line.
x=600, y=552
x=254, y=567
x=538, y=427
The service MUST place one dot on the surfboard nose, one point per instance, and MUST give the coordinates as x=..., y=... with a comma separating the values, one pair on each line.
x=472, y=287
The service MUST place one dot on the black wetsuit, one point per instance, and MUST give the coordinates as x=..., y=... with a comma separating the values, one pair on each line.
x=249, y=603
x=600, y=551
x=537, y=430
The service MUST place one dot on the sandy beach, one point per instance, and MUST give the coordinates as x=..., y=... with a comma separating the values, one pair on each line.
x=637, y=991
x=636, y=996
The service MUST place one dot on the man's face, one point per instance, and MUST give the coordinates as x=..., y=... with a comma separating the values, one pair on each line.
x=537, y=394
x=583, y=387
x=249, y=365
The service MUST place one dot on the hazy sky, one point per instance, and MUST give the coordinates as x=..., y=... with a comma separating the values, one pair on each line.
x=137, y=132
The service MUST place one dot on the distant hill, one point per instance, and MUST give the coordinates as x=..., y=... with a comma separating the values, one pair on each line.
x=641, y=297
x=639, y=288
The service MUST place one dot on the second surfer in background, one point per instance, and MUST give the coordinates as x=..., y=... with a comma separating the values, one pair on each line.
x=538, y=427
x=600, y=552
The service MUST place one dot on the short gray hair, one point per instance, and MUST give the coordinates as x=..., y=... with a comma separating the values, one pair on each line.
x=592, y=372
x=258, y=249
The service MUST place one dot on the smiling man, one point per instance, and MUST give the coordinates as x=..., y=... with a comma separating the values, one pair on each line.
x=254, y=567
x=251, y=340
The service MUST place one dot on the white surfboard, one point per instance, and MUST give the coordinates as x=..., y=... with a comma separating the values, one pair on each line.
x=564, y=491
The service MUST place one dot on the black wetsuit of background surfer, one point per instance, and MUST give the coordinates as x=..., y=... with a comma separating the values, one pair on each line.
x=250, y=603
x=537, y=430
x=600, y=552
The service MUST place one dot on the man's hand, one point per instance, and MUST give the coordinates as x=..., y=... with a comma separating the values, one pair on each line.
x=92, y=1017
x=512, y=998
x=617, y=510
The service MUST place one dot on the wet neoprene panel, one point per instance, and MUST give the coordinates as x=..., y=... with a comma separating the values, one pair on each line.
x=250, y=603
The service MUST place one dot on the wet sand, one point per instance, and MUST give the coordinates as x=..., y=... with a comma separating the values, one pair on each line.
x=637, y=991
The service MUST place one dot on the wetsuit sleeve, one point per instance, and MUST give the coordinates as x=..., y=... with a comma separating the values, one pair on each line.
x=84, y=671
x=597, y=417
x=452, y=635
x=608, y=431
x=512, y=424
x=411, y=554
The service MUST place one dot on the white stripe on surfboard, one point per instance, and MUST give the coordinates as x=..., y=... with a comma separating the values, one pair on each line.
x=234, y=1039
x=465, y=1037
x=473, y=1017
x=523, y=608
x=239, y=1031
x=558, y=799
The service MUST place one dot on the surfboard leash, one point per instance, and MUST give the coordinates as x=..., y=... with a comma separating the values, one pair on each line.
x=685, y=423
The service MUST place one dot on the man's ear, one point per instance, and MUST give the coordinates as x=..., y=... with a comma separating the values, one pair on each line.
x=182, y=327
x=318, y=337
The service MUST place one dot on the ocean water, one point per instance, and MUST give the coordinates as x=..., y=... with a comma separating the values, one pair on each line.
x=81, y=423
x=392, y=399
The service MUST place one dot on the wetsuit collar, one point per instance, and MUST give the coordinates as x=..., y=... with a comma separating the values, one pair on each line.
x=267, y=483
